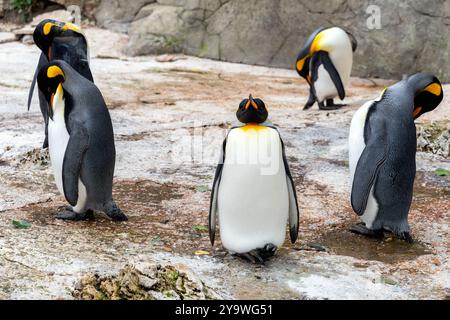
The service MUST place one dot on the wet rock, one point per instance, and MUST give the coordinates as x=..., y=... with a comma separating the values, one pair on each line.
x=145, y=281
x=434, y=138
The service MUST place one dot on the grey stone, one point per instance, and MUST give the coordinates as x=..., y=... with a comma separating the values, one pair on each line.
x=117, y=14
x=7, y=37
x=414, y=34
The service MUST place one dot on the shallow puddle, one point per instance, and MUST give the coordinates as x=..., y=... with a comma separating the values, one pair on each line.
x=388, y=250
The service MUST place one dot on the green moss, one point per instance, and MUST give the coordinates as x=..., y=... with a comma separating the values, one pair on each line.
x=442, y=172
x=22, y=6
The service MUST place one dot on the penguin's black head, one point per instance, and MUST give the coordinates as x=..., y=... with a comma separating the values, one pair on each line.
x=428, y=93
x=48, y=30
x=50, y=80
x=252, y=111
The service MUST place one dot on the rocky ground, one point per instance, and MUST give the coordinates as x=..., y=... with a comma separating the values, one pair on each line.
x=169, y=120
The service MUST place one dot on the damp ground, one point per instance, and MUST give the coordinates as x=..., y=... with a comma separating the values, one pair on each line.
x=169, y=120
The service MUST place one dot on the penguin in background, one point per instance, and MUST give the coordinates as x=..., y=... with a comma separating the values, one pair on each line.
x=81, y=142
x=59, y=41
x=382, y=152
x=253, y=194
x=326, y=63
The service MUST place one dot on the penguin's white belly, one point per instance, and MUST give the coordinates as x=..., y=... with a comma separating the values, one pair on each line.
x=356, y=148
x=253, y=200
x=58, y=138
x=324, y=86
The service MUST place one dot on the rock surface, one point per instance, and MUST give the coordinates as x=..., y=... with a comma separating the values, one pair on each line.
x=169, y=120
x=434, y=138
x=144, y=282
x=413, y=35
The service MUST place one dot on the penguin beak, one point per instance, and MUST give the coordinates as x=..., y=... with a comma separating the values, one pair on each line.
x=416, y=112
x=251, y=102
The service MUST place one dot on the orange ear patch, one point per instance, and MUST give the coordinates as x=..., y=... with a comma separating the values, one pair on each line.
x=300, y=64
x=416, y=111
x=54, y=71
x=47, y=28
x=254, y=105
x=247, y=105
x=434, y=88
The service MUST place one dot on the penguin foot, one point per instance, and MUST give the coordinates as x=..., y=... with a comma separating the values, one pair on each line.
x=360, y=228
x=260, y=255
x=405, y=236
x=113, y=211
x=70, y=215
x=330, y=105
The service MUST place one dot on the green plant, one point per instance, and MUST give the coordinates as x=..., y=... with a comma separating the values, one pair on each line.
x=22, y=5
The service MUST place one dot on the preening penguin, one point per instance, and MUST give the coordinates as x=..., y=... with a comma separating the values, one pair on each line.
x=253, y=192
x=382, y=150
x=81, y=142
x=326, y=63
x=59, y=41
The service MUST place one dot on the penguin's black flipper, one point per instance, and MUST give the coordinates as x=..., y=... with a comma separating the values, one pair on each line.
x=42, y=102
x=42, y=61
x=212, y=219
x=311, y=99
x=76, y=147
x=369, y=164
x=294, y=215
x=293, y=206
x=322, y=58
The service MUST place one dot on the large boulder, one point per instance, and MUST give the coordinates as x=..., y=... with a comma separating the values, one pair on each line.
x=413, y=35
x=118, y=14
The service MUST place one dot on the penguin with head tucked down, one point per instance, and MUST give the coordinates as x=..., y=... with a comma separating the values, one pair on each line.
x=59, y=41
x=382, y=150
x=326, y=63
x=81, y=142
x=253, y=193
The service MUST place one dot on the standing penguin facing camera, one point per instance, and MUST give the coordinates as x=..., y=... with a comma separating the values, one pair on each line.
x=253, y=192
x=81, y=142
x=382, y=151
x=59, y=41
x=326, y=63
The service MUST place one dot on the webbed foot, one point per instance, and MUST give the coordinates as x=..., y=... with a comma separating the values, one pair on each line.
x=113, y=211
x=259, y=255
x=70, y=215
x=360, y=228
x=330, y=105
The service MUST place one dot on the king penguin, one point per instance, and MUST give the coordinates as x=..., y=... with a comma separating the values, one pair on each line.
x=382, y=150
x=253, y=194
x=326, y=63
x=81, y=142
x=59, y=41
